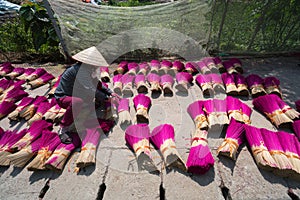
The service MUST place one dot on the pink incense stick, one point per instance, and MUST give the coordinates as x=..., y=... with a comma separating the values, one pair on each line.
x=127, y=81
x=117, y=82
x=162, y=137
x=184, y=81
x=235, y=136
x=267, y=104
x=143, y=68
x=209, y=61
x=255, y=84
x=200, y=159
x=154, y=66
x=246, y=111
x=259, y=150
x=167, y=82
x=36, y=74
x=196, y=112
x=122, y=68
x=6, y=107
x=104, y=74
x=272, y=142
x=217, y=82
x=296, y=128
x=140, y=83
x=204, y=82
x=142, y=104
x=15, y=72
x=154, y=81
x=237, y=63
x=271, y=85
x=234, y=108
x=228, y=80
x=290, y=145
x=132, y=68
x=165, y=66
x=191, y=67
x=219, y=64
x=203, y=68
x=241, y=84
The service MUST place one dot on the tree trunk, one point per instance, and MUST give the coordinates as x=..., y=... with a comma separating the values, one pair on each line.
x=222, y=22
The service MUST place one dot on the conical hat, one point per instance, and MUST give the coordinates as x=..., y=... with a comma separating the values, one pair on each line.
x=91, y=56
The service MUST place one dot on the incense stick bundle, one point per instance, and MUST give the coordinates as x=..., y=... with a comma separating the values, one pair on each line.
x=48, y=143
x=296, y=128
x=137, y=138
x=217, y=82
x=1, y=133
x=196, y=112
x=271, y=85
x=124, y=112
x=25, y=74
x=219, y=64
x=5, y=65
x=202, y=67
x=60, y=155
x=286, y=109
x=154, y=66
x=6, y=107
x=5, y=84
x=23, y=104
x=267, y=104
x=117, y=82
x=273, y=144
x=122, y=68
x=221, y=111
x=52, y=113
x=104, y=74
x=132, y=68
x=41, y=110
x=14, y=94
x=142, y=104
x=42, y=80
x=191, y=67
x=211, y=64
x=184, y=81
x=290, y=145
x=34, y=131
x=177, y=66
x=204, y=82
x=154, y=81
x=167, y=82
x=162, y=137
x=255, y=84
x=36, y=74
x=143, y=68
x=89, y=145
x=297, y=104
x=234, y=108
x=235, y=136
x=228, y=65
x=241, y=84
x=53, y=88
x=53, y=81
x=140, y=83
x=237, y=63
x=231, y=88
x=15, y=72
x=30, y=110
x=127, y=81
x=165, y=66
x=259, y=150
x=246, y=110
x=8, y=139
x=200, y=159
x=6, y=68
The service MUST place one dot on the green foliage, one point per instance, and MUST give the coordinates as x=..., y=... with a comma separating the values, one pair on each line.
x=129, y=3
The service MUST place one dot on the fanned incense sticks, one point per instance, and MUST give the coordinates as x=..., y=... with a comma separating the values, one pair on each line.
x=235, y=136
x=211, y=64
x=184, y=81
x=41, y=110
x=49, y=141
x=267, y=104
x=165, y=66
x=143, y=68
x=30, y=110
x=127, y=81
x=6, y=68
x=200, y=159
x=154, y=66
x=142, y=104
x=271, y=85
x=5, y=84
x=132, y=68
x=234, y=108
x=228, y=65
x=16, y=72
x=137, y=138
x=255, y=84
x=122, y=68
x=177, y=66
x=286, y=109
x=217, y=82
x=204, y=82
x=228, y=80
x=237, y=64
x=13, y=95
x=162, y=137
x=167, y=82
x=42, y=80
x=154, y=81
x=140, y=83
x=104, y=74
x=216, y=112
x=6, y=107
x=259, y=150
x=196, y=112
x=241, y=84
x=60, y=155
x=36, y=74
x=123, y=112
x=23, y=104
x=219, y=65
x=191, y=67
x=118, y=86
x=203, y=68
x=246, y=110
x=25, y=74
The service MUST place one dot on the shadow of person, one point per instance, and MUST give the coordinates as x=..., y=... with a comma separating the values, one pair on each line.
x=204, y=179
x=43, y=175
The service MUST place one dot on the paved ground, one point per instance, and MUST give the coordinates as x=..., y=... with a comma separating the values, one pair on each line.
x=117, y=168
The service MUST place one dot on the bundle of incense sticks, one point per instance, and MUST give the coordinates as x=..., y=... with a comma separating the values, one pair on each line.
x=271, y=85
x=216, y=112
x=184, y=81
x=25, y=74
x=15, y=72
x=228, y=80
x=191, y=67
x=127, y=81
x=104, y=74
x=42, y=80
x=154, y=81
x=36, y=74
x=196, y=112
x=142, y=104
x=6, y=68
x=132, y=68
x=154, y=66
x=219, y=64
x=255, y=84
x=41, y=110
x=124, y=112
x=217, y=83
x=237, y=63
x=5, y=84
x=203, y=68
x=143, y=68
x=165, y=66
x=53, y=88
x=204, y=82
x=30, y=110
x=228, y=65
x=122, y=68
x=234, y=108
x=177, y=66
x=6, y=107
x=117, y=82
x=140, y=83
x=246, y=110
x=23, y=104
x=209, y=61
x=296, y=128
x=241, y=84
x=167, y=82
x=286, y=109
